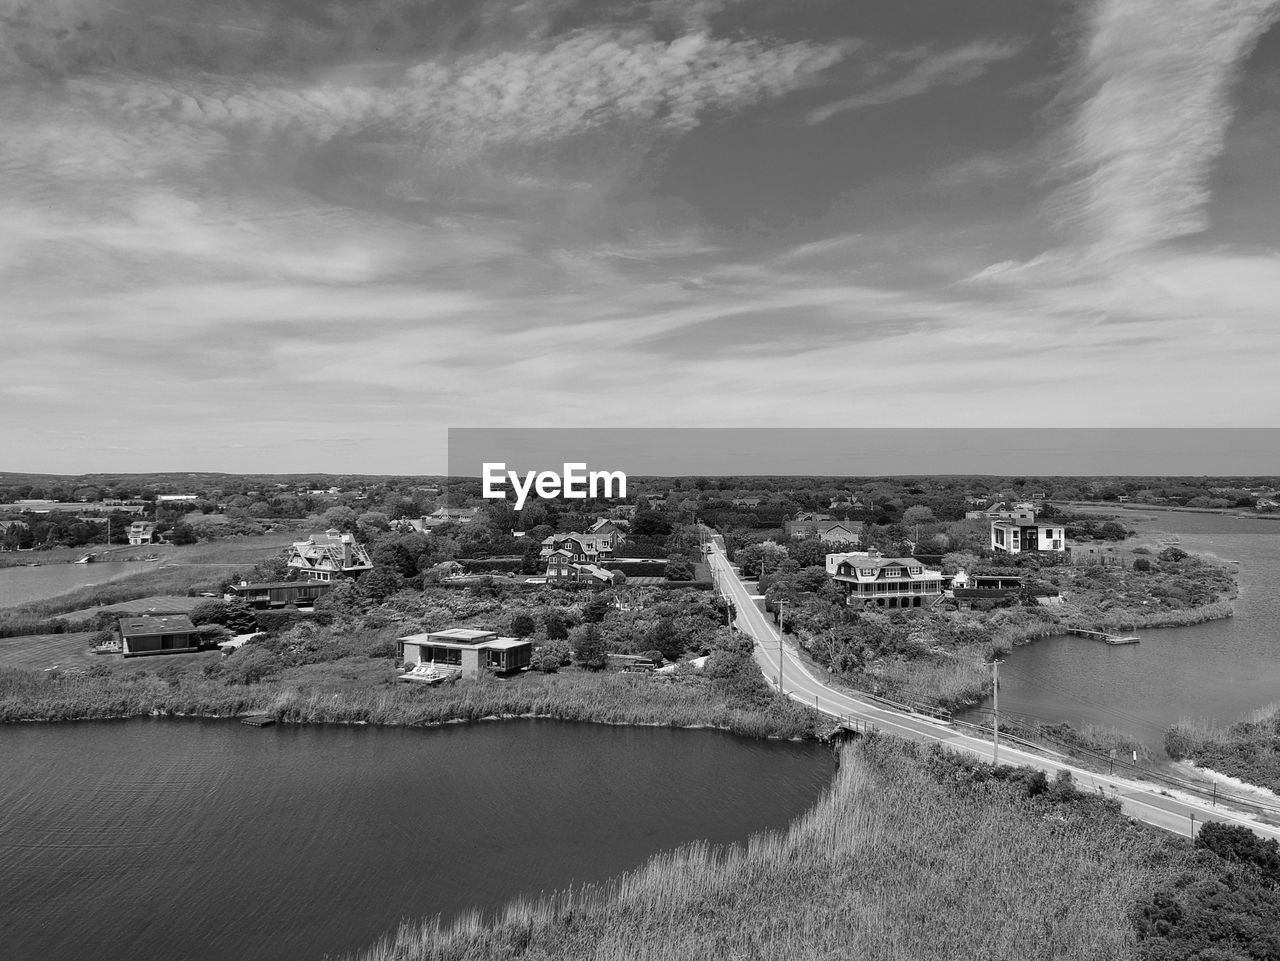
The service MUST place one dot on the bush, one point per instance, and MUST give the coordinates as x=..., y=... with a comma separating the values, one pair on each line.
x=522, y=625
x=1234, y=842
x=1142, y=564
x=280, y=620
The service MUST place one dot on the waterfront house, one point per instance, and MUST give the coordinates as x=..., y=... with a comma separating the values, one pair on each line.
x=999, y=587
x=170, y=634
x=466, y=652
x=1023, y=536
x=870, y=580
x=265, y=596
x=328, y=556
x=142, y=532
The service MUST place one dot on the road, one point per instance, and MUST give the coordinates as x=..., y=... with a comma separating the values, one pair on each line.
x=1146, y=802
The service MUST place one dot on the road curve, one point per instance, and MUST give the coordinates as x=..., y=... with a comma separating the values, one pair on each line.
x=1180, y=815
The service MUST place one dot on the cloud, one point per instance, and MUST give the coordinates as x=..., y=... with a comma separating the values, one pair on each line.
x=1153, y=95
x=928, y=70
x=457, y=107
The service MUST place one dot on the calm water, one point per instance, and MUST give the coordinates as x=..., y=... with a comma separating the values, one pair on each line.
x=1216, y=671
x=19, y=585
x=155, y=839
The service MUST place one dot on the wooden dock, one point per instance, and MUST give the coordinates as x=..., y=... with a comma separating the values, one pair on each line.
x=258, y=720
x=1112, y=639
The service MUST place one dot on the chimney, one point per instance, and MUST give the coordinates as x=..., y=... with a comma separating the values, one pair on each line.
x=348, y=548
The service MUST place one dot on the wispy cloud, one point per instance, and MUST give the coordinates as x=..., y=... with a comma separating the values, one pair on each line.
x=926, y=69
x=1153, y=90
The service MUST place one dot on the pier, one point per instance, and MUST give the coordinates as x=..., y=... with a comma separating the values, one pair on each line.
x=1112, y=639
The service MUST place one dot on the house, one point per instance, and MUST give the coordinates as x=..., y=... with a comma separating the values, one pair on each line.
x=894, y=582
x=825, y=528
x=747, y=501
x=840, y=532
x=583, y=548
x=563, y=568
x=265, y=596
x=609, y=534
x=448, y=515
x=177, y=498
x=466, y=652
x=330, y=555
x=170, y=634
x=998, y=586
x=142, y=532
x=1022, y=536
x=1003, y=511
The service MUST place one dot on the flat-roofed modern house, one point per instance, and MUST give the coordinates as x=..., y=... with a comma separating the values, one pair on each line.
x=873, y=581
x=466, y=652
x=1022, y=536
x=170, y=634
x=265, y=596
x=142, y=532
x=329, y=556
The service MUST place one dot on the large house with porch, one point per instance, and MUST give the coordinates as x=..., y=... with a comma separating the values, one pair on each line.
x=142, y=532
x=329, y=556
x=870, y=580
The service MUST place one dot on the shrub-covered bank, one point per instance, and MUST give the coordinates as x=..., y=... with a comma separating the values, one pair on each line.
x=914, y=853
x=360, y=691
x=1248, y=750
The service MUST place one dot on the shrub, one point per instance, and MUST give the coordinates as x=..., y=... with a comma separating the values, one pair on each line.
x=522, y=625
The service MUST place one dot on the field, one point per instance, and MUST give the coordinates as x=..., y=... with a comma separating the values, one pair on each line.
x=912, y=855
x=45, y=651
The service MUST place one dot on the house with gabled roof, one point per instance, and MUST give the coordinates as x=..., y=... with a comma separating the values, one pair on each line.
x=329, y=556
x=870, y=580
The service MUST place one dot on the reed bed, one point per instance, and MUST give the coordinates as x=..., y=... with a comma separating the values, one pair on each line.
x=599, y=698
x=906, y=857
x=1249, y=749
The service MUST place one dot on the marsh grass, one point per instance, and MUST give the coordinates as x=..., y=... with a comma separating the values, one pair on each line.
x=908, y=856
x=1248, y=750
x=580, y=696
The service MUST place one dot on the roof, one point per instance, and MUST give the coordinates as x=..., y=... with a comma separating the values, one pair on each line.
x=142, y=626
x=465, y=635
x=270, y=584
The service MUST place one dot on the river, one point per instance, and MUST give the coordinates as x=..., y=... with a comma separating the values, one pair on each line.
x=1218, y=671
x=163, y=839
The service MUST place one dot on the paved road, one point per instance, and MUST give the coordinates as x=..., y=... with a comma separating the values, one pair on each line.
x=1146, y=802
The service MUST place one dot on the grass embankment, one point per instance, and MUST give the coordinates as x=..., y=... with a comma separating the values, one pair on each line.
x=914, y=853
x=363, y=691
x=1248, y=750
x=202, y=567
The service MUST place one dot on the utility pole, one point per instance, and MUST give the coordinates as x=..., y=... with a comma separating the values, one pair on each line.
x=995, y=683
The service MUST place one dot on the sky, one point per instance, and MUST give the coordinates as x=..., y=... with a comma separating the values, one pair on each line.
x=293, y=235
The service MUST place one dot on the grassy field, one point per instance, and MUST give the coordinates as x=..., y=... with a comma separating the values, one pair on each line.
x=912, y=855
x=45, y=651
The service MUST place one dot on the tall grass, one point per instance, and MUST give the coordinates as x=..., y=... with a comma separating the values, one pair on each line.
x=604, y=698
x=900, y=860
x=1248, y=750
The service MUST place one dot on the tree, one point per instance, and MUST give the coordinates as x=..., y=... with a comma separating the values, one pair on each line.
x=665, y=637
x=341, y=518
x=240, y=618
x=596, y=609
x=209, y=612
x=588, y=645
x=556, y=625
x=522, y=625
x=182, y=535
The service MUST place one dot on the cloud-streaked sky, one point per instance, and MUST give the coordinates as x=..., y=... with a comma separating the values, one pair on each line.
x=294, y=235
